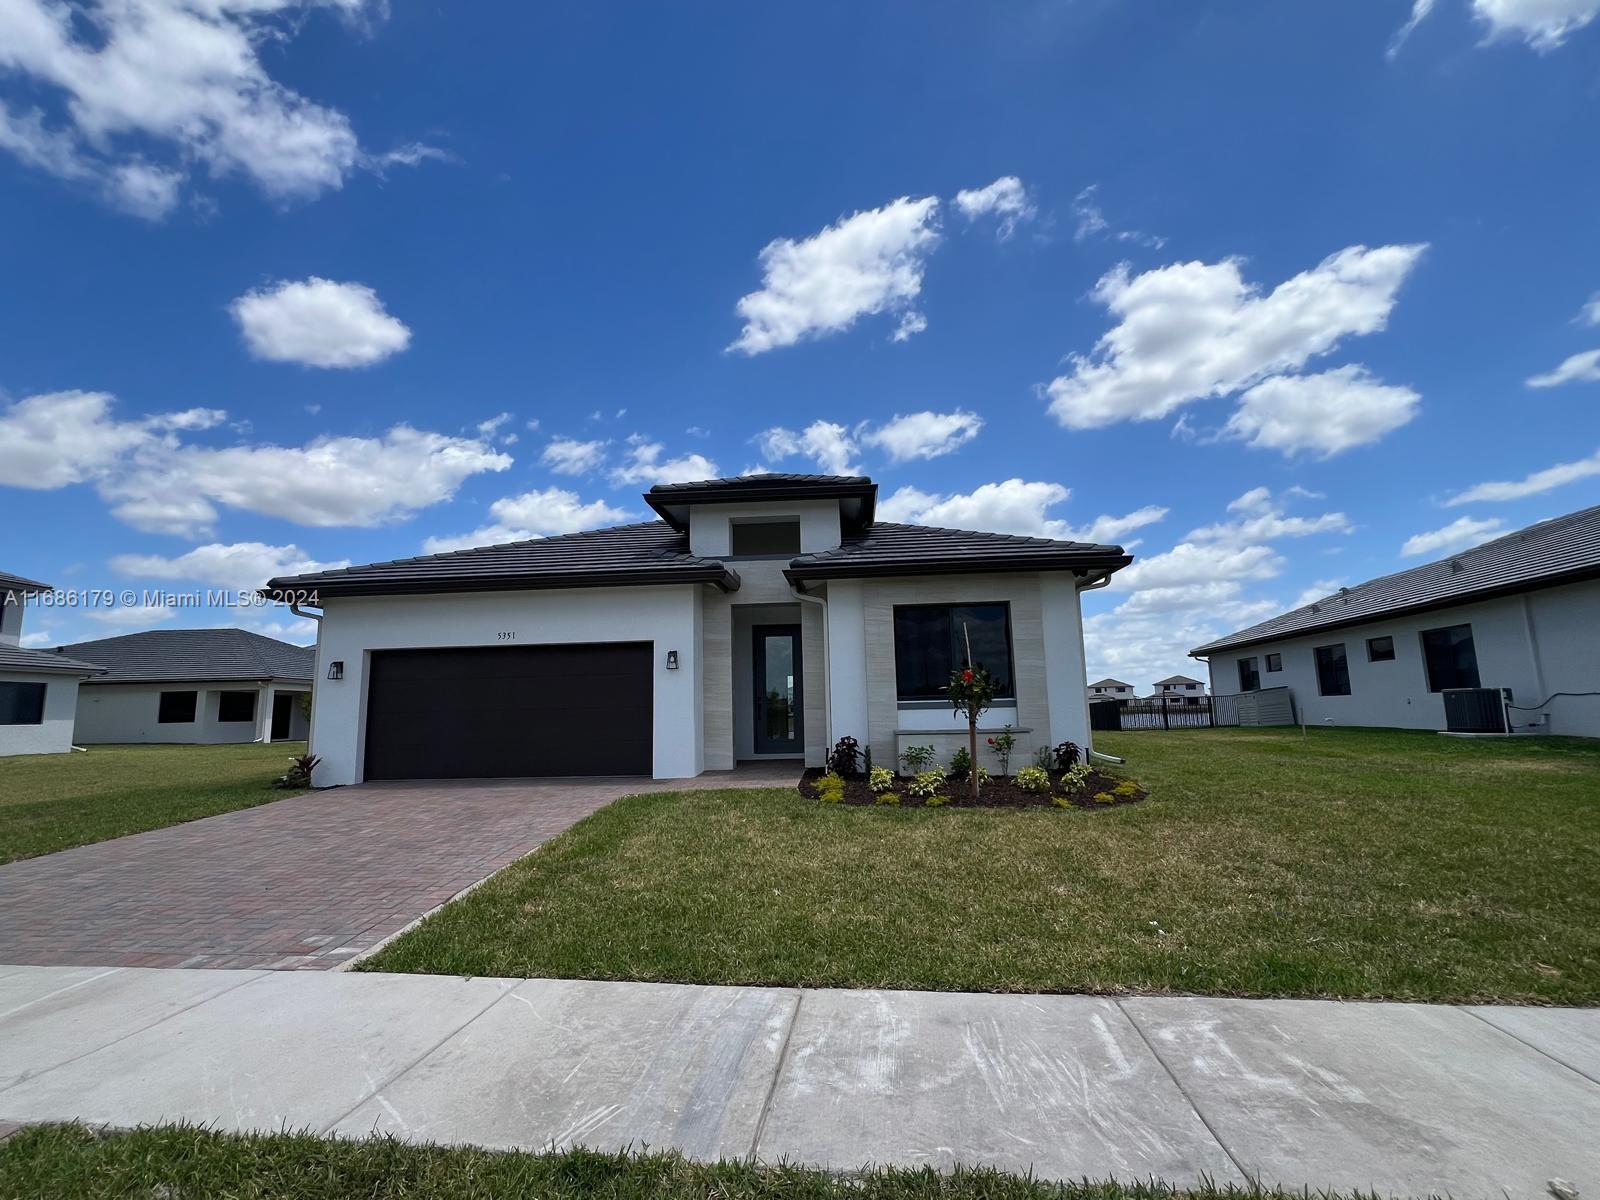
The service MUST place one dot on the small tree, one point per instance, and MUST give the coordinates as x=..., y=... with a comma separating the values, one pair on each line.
x=971, y=693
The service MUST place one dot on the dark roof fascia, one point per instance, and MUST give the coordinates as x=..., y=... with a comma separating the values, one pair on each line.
x=668, y=499
x=1456, y=601
x=712, y=573
x=21, y=586
x=305, y=679
x=957, y=565
x=66, y=666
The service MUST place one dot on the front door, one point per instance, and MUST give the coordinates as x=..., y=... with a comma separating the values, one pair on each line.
x=777, y=681
x=282, y=712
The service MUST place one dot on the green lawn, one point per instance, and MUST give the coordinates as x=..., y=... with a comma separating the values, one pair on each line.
x=182, y=1162
x=1354, y=863
x=52, y=801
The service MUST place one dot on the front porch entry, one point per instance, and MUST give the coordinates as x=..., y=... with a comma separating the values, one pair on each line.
x=768, y=692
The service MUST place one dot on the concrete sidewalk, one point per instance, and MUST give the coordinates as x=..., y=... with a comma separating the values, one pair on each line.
x=1405, y=1099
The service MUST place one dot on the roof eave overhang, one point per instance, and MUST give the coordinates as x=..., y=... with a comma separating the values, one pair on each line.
x=1402, y=610
x=196, y=679
x=953, y=566
x=282, y=590
x=673, y=507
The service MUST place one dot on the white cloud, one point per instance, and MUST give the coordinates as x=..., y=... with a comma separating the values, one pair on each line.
x=1458, y=535
x=924, y=434
x=133, y=616
x=532, y=515
x=1531, y=485
x=1324, y=414
x=183, y=78
x=1590, y=313
x=829, y=444
x=1195, y=562
x=59, y=438
x=569, y=456
x=911, y=324
x=319, y=323
x=1091, y=222
x=1317, y=590
x=1014, y=506
x=1542, y=24
x=1193, y=330
x=1263, y=519
x=1419, y=13
x=867, y=263
x=1005, y=198
x=644, y=465
x=1580, y=368
x=242, y=565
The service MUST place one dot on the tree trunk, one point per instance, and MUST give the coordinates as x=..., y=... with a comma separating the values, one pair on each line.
x=972, y=733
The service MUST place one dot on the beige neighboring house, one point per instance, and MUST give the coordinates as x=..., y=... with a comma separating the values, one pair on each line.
x=1111, y=689
x=38, y=688
x=194, y=686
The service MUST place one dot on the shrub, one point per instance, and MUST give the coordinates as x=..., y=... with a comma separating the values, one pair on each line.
x=1126, y=788
x=919, y=758
x=960, y=764
x=1003, y=743
x=299, y=773
x=830, y=788
x=1074, y=778
x=936, y=801
x=1044, y=758
x=845, y=758
x=880, y=779
x=1032, y=779
x=1104, y=798
x=1061, y=801
x=925, y=784
x=887, y=798
x=1067, y=754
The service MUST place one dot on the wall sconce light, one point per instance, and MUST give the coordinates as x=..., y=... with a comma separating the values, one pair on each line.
x=672, y=660
x=336, y=670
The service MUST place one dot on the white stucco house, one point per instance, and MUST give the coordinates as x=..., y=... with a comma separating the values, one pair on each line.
x=761, y=617
x=38, y=688
x=1111, y=689
x=1178, y=689
x=1504, y=637
x=193, y=686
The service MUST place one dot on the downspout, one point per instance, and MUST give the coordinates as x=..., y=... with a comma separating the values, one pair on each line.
x=1533, y=658
x=827, y=664
x=316, y=671
x=1094, y=587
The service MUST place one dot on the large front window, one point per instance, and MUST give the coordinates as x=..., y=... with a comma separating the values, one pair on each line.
x=1451, y=657
x=22, y=703
x=931, y=640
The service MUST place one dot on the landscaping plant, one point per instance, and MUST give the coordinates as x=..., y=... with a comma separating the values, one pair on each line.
x=1003, y=743
x=845, y=758
x=971, y=691
x=880, y=779
x=887, y=798
x=919, y=758
x=298, y=776
x=1032, y=779
x=926, y=783
x=1067, y=755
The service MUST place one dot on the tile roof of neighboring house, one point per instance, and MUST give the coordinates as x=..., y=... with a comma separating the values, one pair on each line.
x=1110, y=683
x=16, y=583
x=15, y=658
x=196, y=656
x=857, y=494
x=650, y=552
x=885, y=549
x=1174, y=679
x=1562, y=550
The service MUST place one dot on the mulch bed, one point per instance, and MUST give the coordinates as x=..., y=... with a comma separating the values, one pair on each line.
x=996, y=793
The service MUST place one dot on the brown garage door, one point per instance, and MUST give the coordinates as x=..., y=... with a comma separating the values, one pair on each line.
x=488, y=712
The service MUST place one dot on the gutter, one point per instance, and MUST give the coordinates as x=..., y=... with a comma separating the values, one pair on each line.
x=827, y=661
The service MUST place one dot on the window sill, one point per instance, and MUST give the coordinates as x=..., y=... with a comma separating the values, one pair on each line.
x=914, y=705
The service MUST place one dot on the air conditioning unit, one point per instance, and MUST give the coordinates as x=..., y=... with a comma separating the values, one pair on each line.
x=1475, y=710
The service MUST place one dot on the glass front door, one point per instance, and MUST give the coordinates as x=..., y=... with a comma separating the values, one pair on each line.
x=777, y=690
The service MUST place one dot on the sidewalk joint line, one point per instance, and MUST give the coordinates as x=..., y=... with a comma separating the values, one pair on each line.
x=1249, y=1176
x=1524, y=1042
x=777, y=1074
x=59, y=991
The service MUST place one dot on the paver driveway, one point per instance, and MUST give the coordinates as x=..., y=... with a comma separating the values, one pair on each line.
x=308, y=882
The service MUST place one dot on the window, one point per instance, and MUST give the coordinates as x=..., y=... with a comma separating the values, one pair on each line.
x=757, y=539
x=1274, y=662
x=1249, y=677
x=930, y=641
x=236, y=706
x=1451, y=657
x=1333, y=671
x=22, y=703
x=177, y=708
x=1380, y=649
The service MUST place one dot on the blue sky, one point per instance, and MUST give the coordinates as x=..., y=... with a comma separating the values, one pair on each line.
x=1272, y=293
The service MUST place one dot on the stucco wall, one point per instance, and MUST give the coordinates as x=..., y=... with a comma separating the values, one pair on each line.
x=55, y=734
x=1544, y=642
x=709, y=535
x=353, y=627
x=128, y=713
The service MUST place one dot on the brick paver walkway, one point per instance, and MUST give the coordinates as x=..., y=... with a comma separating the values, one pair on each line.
x=307, y=882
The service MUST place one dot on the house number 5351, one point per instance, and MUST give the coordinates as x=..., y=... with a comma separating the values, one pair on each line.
x=506, y=635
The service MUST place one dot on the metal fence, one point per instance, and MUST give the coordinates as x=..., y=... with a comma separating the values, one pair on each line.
x=1269, y=706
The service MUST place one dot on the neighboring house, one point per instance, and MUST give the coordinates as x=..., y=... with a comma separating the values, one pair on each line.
x=38, y=688
x=1520, y=613
x=202, y=686
x=1178, y=689
x=760, y=617
x=1111, y=689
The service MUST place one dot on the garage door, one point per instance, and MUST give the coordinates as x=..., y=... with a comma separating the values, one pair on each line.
x=497, y=711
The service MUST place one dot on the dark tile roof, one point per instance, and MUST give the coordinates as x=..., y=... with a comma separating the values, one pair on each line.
x=1175, y=679
x=16, y=583
x=857, y=494
x=888, y=549
x=650, y=552
x=1562, y=550
x=195, y=656
x=15, y=658
x=1110, y=683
